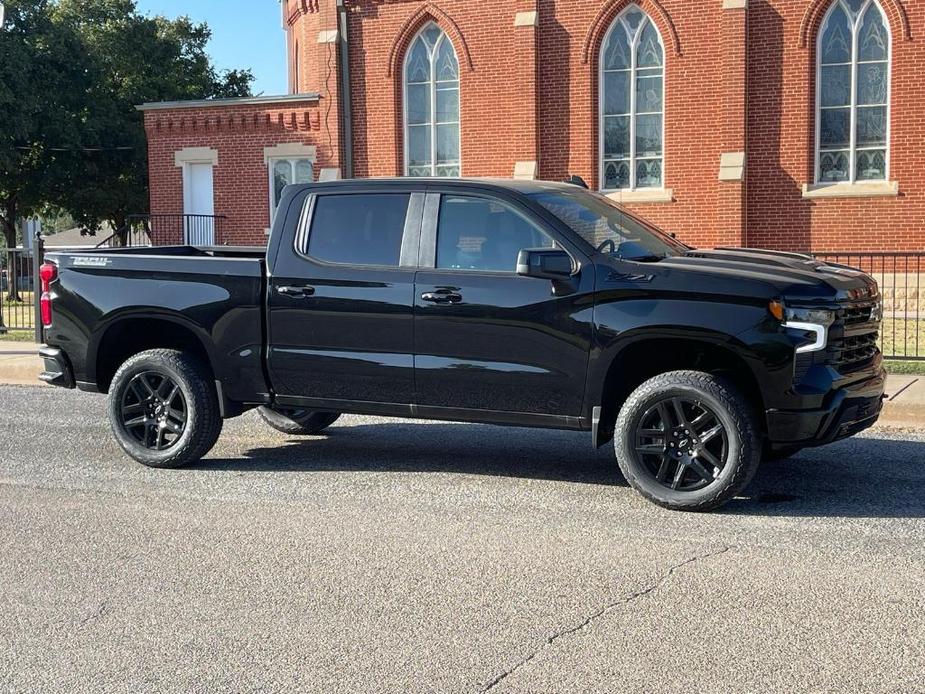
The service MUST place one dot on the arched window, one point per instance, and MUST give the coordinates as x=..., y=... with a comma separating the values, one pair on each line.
x=632, y=80
x=431, y=86
x=853, y=93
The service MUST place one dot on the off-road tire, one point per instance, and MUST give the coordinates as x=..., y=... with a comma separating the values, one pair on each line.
x=203, y=416
x=296, y=423
x=732, y=410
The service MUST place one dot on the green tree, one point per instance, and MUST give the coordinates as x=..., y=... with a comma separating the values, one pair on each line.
x=133, y=59
x=43, y=85
x=71, y=74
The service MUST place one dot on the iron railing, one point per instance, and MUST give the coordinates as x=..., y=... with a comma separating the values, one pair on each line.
x=169, y=230
x=17, y=286
x=902, y=286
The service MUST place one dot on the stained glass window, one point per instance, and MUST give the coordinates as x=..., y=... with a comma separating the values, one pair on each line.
x=432, y=105
x=632, y=103
x=853, y=99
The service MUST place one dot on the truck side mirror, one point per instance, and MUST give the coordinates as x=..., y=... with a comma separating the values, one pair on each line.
x=544, y=263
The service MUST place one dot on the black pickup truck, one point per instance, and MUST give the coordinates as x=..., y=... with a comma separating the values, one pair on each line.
x=530, y=304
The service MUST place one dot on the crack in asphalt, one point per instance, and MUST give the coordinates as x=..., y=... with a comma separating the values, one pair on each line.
x=99, y=612
x=550, y=640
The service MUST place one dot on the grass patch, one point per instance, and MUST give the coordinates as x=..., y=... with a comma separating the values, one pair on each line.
x=18, y=336
x=911, y=368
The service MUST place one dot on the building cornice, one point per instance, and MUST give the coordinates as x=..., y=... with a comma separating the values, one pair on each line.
x=239, y=101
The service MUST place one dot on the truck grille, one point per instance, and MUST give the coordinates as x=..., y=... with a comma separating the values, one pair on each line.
x=857, y=314
x=855, y=336
x=855, y=352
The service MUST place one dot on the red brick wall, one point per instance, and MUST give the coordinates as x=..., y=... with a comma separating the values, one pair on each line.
x=781, y=134
x=497, y=106
x=240, y=179
x=735, y=80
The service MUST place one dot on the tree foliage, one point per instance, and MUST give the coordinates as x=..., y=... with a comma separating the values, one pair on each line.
x=71, y=74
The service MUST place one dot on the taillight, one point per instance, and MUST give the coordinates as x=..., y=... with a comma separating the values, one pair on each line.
x=47, y=274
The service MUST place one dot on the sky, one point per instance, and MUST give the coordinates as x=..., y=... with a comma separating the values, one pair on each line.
x=245, y=34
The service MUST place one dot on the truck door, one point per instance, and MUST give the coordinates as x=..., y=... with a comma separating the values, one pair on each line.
x=486, y=338
x=340, y=305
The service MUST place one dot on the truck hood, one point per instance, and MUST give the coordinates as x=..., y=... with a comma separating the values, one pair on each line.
x=798, y=277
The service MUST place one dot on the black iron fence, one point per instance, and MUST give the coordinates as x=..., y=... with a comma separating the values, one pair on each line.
x=902, y=286
x=169, y=230
x=17, y=290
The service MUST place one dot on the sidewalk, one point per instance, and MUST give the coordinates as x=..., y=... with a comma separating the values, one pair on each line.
x=905, y=406
x=19, y=363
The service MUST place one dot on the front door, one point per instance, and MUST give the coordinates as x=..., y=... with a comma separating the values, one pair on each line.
x=487, y=339
x=341, y=303
x=198, y=205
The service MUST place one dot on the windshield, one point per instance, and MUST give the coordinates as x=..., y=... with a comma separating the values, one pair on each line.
x=608, y=227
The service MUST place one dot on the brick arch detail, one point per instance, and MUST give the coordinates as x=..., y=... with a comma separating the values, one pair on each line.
x=613, y=8
x=428, y=13
x=812, y=18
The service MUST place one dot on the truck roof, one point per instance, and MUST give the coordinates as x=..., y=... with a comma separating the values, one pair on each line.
x=525, y=187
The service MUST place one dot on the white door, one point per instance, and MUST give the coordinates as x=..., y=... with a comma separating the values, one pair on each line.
x=198, y=201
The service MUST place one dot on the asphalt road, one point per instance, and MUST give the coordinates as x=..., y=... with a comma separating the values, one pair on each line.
x=399, y=556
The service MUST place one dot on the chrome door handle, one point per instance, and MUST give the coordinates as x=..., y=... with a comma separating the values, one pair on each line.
x=442, y=297
x=295, y=292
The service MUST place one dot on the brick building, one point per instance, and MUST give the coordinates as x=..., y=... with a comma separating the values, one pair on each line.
x=794, y=124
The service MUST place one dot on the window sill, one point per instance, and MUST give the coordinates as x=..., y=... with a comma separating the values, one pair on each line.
x=873, y=189
x=641, y=195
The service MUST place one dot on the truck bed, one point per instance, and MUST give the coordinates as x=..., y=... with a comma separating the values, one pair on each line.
x=105, y=297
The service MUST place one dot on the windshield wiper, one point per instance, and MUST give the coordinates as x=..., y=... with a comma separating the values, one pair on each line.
x=653, y=258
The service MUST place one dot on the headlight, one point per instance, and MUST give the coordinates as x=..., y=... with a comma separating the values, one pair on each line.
x=815, y=321
x=819, y=316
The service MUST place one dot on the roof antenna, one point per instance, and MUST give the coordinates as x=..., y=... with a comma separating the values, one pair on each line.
x=577, y=181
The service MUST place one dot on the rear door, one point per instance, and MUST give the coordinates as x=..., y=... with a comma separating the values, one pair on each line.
x=486, y=339
x=341, y=301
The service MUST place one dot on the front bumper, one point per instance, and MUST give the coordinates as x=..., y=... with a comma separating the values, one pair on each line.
x=57, y=370
x=848, y=411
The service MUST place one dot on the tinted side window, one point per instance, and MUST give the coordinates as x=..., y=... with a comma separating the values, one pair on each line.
x=361, y=229
x=483, y=234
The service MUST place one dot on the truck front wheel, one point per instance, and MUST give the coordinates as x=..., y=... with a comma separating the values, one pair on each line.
x=163, y=408
x=298, y=422
x=687, y=440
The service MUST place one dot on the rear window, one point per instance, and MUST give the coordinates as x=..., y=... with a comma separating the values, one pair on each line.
x=358, y=229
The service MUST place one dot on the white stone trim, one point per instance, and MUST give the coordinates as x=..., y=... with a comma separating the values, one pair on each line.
x=866, y=189
x=642, y=195
x=526, y=170
x=735, y=4
x=196, y=155
x=732, y=166
x=290, y=150
x=327, y=36
x=527, y=19
x=329, y=175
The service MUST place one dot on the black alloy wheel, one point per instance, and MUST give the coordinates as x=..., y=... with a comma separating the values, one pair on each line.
x=682, y=443
x=154, y=411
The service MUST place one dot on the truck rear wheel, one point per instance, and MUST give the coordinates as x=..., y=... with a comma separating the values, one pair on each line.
x=687, y=440
x=300, y=422
x=163, y=408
